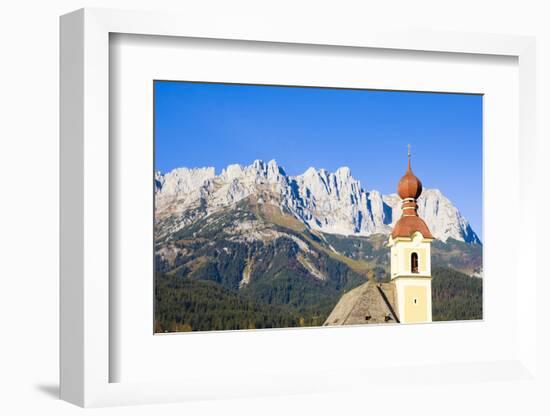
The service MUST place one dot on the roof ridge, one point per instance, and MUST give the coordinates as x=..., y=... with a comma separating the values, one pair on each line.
x=387, y=302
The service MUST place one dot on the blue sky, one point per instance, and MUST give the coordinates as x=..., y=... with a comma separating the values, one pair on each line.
x=199, y=124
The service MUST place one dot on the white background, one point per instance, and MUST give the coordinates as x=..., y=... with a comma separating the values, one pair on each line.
x=29, y=204
x=137, y=60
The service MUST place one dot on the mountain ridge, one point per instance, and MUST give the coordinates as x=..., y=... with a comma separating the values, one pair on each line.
x=329, y=202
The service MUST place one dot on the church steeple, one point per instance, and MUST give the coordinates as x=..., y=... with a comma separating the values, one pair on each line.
x=410, y=242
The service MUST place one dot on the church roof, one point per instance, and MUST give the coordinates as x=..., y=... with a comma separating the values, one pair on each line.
x=370, y=303
x=406, y=226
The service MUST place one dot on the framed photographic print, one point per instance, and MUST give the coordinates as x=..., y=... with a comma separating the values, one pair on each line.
x=261, y=220
x=266, y=211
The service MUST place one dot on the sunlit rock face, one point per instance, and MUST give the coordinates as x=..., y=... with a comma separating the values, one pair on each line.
x=331, y=202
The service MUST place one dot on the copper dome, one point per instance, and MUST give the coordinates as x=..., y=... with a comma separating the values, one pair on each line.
x=409, y=185
x=409, y=189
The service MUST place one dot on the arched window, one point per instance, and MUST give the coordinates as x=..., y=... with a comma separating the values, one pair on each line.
x=414, y=263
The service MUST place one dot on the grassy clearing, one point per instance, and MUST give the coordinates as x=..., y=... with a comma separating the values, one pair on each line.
x=273, y=214
x=358, y=266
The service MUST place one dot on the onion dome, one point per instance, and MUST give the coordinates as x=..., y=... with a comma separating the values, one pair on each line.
x=409, y=185
x=409, y=189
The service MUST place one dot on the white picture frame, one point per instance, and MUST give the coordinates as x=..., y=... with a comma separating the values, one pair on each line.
x=85, y=353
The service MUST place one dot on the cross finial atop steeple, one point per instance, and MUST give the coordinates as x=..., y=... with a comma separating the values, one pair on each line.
x=409, y=155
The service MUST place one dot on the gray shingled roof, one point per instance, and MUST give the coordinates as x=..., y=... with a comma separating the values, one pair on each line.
x=370, y=303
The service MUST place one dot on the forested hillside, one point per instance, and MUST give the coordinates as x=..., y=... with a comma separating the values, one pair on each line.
x=456, y=296
x=202, y=304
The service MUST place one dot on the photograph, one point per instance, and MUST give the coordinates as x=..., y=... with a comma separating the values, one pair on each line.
x=280, y=206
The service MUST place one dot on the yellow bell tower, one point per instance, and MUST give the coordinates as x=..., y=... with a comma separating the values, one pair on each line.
x=410, y=243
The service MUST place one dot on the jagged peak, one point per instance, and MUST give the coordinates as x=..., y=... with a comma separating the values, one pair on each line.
x=435, y=192
x=273, y=165
x=183, y=180
x=232, y=171
x=258, y=164
x=343, y=171
x=183, y=171
x=311, y=171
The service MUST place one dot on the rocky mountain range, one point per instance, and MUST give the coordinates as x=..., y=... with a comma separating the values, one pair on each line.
x=328, y=202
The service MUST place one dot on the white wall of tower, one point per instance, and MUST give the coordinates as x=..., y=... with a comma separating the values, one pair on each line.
x=401, y=250
x=408, y=282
